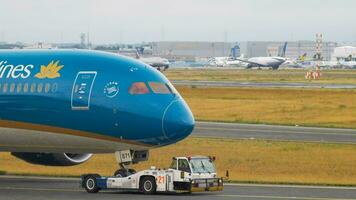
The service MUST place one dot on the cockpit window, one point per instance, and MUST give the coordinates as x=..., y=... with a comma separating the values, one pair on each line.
x=171, y=88
x=159, y=88
x=138, y=88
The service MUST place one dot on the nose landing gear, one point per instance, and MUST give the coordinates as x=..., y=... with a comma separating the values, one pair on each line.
x=126, y=158
x=124, y=172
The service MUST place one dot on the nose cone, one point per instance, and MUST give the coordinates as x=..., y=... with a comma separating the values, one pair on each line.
x=178, y=121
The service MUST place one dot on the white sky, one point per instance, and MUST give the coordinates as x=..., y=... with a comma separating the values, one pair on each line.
x=114, y=21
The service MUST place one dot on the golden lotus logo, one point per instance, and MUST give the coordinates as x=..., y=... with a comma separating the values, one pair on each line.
x=50, y=71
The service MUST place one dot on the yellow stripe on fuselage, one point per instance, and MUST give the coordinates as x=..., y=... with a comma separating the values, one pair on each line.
x=66, y=131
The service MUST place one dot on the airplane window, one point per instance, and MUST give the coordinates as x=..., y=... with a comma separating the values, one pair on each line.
x=159, y=88
x=39, y=88
x=4, y=89
x=12, y=87
x=25, y=87
x=47, y=87
x=54, y=87
x=171, y=88
x=138, y=88
x=33, y=87
x=18, y=88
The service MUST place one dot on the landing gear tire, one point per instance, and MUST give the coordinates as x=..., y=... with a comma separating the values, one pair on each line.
x=148, y=185
x=132, y=171
x=120, y=173
x=124, y=172
x=90, y=183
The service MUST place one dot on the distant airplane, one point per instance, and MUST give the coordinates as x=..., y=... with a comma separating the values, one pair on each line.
x=313, y=62
x=228, y=61
x=272, y=61
x=225, y=61
x=302, y=58
x=59, y=106
x=348, y=62
x=161, y=64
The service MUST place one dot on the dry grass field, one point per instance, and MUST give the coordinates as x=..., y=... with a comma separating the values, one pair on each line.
x=308, y=107
x=328, y=76
x=246, y=160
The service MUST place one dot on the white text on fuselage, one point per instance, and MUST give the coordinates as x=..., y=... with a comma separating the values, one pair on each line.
x=12, y=71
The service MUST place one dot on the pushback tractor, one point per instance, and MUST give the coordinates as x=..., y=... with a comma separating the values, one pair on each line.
x=185, y=175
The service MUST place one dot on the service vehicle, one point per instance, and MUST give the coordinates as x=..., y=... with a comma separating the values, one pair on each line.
x=185, y=175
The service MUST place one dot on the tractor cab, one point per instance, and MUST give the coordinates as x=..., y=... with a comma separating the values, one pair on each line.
x=196, y=166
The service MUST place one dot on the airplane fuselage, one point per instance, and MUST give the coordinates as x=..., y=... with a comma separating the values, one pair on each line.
x=225, y=61
x=273, y=62
x=156, y=62
x=86, y=102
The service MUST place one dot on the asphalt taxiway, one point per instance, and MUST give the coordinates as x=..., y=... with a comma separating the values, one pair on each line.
x=262, y=84
x=274, y=132
x=37, y=188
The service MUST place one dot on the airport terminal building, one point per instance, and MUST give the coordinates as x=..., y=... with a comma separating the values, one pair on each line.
x=344, y=53
x=294, y=49
x=191, y=50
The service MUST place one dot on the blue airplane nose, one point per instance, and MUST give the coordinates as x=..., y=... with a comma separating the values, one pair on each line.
x=178, y=121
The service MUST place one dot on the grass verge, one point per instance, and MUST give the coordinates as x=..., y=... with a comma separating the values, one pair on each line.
x=307, y=107
x=328, y=76
x=248, y=161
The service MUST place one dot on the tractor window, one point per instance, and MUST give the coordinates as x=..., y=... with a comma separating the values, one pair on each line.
x=183, y=165
x=138, y=88
x=202, y=165
x=173, y=164
x=159, y=88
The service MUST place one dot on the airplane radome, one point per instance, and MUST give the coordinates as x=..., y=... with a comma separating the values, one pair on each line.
x=59, y=106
